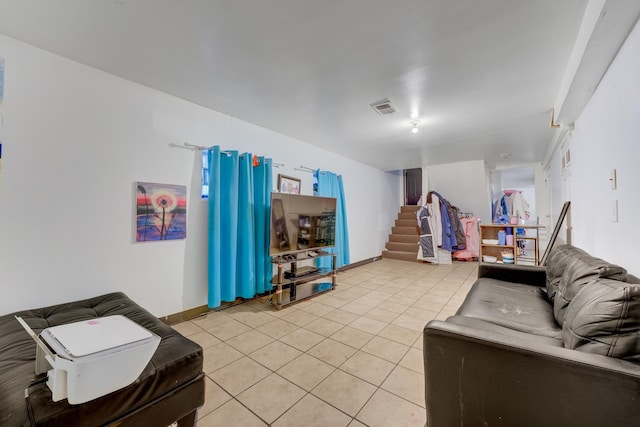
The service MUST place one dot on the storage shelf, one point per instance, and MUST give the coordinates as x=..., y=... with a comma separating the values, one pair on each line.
x=304, y=291
x=292, y=289
x=300, y=255
x=322, y=272
x=490, y=231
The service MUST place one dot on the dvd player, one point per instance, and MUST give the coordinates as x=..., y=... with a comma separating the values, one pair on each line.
x=300, y=271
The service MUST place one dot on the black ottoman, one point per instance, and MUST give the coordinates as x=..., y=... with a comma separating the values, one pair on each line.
x=170, y=389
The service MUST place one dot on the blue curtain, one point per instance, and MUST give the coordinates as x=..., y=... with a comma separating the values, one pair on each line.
x=262, y=187
x=328, y=184
x=239, y=198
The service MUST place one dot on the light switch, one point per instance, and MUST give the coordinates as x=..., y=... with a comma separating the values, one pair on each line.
x=613, y=179
x=615, y=210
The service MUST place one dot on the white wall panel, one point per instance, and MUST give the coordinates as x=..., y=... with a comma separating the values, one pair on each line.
x=607, y=137
x=76, y=140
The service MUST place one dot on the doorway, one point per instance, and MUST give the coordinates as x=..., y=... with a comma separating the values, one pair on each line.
x=520, y=179
x=412, y=186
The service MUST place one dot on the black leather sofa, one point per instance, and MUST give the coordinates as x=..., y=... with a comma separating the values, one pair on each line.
x=535, y=346
x=170, y=389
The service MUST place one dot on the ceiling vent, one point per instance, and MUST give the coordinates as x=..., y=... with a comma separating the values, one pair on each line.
x=383, y=107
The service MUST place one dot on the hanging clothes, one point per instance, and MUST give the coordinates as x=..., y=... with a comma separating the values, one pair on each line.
x=511, y=204
x=448, y=233
x=520, y=208
x=461, y=240
x=472, y=238
x=433, y=200
x=472, y=234
x=428, y=249
x=238, y=244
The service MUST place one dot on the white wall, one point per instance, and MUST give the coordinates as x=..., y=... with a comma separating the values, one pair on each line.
x=74, y=142
x=543, y=210
x=559, y=192
x=606, y=137
x=464, y=184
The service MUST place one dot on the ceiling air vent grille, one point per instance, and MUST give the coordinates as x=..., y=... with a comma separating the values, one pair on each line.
x=383, y=107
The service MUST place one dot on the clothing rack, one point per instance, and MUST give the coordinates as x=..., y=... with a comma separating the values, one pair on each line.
x=200, y=147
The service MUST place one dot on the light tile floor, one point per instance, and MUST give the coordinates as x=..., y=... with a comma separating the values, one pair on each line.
x=350, y=357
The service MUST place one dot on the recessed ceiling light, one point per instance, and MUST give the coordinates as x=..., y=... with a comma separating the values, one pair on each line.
x=414, y=126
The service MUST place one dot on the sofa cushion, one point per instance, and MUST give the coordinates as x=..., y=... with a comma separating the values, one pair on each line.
x=604, y=318
x=557, y=265
x=512, y=305
x=582, y=268
x=483, y=325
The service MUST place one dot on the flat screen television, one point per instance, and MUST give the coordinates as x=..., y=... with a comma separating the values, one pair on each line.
x=301, y=223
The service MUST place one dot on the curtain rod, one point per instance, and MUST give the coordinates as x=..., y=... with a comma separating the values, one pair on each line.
x=304, y=169
x=188, y=146
x=308, y=170
x=200, y=147
x=197, y=147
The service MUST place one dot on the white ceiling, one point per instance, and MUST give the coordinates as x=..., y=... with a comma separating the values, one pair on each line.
x=481, y=76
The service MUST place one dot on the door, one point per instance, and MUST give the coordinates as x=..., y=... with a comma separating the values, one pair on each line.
x=412, y=186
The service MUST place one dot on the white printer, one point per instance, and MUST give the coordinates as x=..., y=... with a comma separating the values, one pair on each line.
x=88, y=359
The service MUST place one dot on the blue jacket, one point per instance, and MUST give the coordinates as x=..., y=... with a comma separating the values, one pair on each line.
x=448, y=232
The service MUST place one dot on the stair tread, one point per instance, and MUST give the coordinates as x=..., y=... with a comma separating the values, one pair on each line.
x=404, y=230
x=409, y=208
x=406, y=256
x=402, y=242
x=407, y=215
x=403, y=238
x=402, y=246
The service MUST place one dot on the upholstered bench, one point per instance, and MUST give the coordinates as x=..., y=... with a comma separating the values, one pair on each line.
x=170, y=389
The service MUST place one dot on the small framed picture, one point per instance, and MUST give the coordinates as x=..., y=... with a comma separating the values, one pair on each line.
x=288, y=184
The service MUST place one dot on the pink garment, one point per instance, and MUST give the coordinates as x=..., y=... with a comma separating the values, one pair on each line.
x=472, y=233
x=464, y=255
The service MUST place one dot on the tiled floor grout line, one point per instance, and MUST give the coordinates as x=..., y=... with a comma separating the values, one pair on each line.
x=444, y=295
x=335, y=368
x=302, y=397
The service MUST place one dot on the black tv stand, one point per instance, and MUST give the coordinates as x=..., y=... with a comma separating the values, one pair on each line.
x=299, y=283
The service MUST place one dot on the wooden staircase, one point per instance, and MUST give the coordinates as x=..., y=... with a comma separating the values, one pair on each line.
x=403, y=240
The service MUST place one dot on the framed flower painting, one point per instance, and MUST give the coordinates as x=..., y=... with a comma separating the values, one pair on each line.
x=161, y=211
